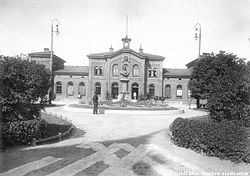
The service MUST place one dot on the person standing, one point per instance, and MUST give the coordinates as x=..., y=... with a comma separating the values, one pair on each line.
x=95, y=102
x=134, y=95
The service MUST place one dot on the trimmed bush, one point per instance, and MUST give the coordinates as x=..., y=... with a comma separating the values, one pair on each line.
x=24, y=89
x=22, y=132
x=226, y=140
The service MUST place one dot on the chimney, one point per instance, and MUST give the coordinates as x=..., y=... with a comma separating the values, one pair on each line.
x=111, y=49
x=140, y=50
x=46, y=49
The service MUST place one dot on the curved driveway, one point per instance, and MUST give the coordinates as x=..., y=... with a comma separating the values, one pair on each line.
x=103, y=127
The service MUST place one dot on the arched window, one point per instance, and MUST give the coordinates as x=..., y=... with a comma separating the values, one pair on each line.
x=95, y=70
x=82, y=89
x=152, y=90
x=70, y=88
x=58, y=87
x=98, y=88
x=115, y=90
x=154, y=72
x=168, y=91
x=135, y=70
x=149, y=72
x=115, y=70
x=100, y=71
x=179, y=91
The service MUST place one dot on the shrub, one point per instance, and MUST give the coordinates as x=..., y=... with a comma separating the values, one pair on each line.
x=24, y=89
x=223, y=80
x=226, y=140
x=22, y=132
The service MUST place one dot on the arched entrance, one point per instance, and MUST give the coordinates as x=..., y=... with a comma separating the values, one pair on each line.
x=114, y=90
x=135, y=91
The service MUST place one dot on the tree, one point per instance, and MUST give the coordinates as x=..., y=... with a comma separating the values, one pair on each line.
x=222, y=79
x=24, y=89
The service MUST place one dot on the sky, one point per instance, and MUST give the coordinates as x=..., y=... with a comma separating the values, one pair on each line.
x=161, y=27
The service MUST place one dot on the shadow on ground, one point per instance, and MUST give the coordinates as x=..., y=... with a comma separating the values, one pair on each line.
x=144, y=139
x=17, y=156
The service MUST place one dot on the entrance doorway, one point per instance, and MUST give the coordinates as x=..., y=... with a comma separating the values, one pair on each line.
x=114, y=90
x=135, y=91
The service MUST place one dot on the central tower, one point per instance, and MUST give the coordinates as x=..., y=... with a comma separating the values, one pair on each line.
x=126, y=40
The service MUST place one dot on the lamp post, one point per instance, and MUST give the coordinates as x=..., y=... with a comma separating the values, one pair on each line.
x=197, y=28
x=54, y=24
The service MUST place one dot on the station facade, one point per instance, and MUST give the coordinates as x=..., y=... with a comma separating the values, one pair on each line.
x=124, y=73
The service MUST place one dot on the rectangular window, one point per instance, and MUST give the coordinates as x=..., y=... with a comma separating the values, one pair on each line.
x=179, y=93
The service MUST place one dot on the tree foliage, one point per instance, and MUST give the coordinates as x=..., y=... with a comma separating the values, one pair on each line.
x=24, y=86
x=222, y=79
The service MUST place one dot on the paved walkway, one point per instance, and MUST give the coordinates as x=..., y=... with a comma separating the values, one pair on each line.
x=115, y=144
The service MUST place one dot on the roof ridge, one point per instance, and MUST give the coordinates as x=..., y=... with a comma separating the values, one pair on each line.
x=76, y=66
x=178, y=68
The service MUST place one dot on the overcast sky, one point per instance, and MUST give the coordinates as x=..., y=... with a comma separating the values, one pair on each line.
x=162, y=27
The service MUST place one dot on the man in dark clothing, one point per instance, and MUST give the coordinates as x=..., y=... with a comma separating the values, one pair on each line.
x=95, y=102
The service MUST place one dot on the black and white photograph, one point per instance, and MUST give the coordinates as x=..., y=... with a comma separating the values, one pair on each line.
x=125, y=87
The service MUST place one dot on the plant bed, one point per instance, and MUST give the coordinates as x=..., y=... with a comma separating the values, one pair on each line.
x=127, y=105
x=225, y=140
x=54, y=129
x=48, y=128
x=54, y=125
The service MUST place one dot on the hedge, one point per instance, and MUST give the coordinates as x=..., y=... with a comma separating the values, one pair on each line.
x=22, y=132
x=225, y=140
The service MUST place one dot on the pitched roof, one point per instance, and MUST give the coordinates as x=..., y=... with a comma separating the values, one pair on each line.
x=45, y=54
x=73, y=70
x=176, y=72
x=127, y=50
x=192, y=63
x=152, y=56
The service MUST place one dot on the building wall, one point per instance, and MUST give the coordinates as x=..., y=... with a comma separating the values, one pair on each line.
x=156, y=81
x=93, y=79
x=57, y=64
x=174, y=82
x=107, y=78
x=43, y=61
x=106, y=85
x=76, y=80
